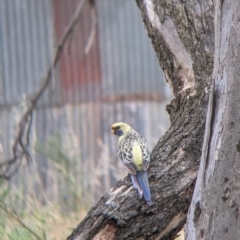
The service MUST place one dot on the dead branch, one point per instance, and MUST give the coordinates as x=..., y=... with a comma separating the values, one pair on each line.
x=93, y=29
x=21, y=141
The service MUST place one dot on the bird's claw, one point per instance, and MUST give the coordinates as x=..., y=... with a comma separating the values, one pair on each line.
x=140, y=194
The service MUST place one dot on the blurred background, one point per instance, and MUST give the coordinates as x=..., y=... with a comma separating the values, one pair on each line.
x=108, y=73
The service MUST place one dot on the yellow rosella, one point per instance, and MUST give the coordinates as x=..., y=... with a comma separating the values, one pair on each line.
x=135, y=157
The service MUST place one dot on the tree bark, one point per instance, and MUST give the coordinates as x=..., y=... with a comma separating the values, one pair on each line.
x=182, y=34
x=214, y=211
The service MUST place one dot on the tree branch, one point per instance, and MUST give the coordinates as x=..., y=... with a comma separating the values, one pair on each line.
x=93, y=29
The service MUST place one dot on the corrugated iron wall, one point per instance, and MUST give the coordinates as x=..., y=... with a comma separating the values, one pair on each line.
x=27, y=41
x=118, y=80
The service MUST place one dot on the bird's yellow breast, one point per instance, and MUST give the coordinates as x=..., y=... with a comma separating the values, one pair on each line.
x=137, y=156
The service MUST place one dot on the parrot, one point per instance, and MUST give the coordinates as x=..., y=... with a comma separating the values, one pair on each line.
x=135, y=156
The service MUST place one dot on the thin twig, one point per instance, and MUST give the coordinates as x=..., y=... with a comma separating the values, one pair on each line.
x=93, y=29
x=14, y=215
x=70, y=42
x=29, y=128
x=18, y=144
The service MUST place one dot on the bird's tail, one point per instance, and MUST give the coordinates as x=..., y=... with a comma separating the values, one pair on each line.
x=137, y=185
x=142, y=177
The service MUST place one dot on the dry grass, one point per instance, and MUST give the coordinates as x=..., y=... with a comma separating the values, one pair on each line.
x=34, y=220
x=28, y=211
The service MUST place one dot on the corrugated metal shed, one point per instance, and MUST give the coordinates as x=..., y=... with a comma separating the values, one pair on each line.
x=129, y=64
x=26, y=47
x=80, y=73
x=118, y=80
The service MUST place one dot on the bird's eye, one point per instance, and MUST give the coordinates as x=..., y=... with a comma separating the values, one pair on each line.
x=118, y=127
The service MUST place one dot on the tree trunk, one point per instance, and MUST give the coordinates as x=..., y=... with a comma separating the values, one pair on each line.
x=197, y=43
x=214, y=212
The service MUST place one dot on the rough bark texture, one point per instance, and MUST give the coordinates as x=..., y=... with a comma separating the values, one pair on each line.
x=182, y=34
x=214, y=212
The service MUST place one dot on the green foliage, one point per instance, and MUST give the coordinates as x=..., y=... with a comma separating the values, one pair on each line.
x=19, y=233
x=15, y=221
x=64, y=159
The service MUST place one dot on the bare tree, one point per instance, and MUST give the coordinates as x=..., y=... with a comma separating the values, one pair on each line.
x=198, y=47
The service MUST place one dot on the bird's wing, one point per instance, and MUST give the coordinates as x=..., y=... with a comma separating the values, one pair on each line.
x=145, y=152
x=127, y=161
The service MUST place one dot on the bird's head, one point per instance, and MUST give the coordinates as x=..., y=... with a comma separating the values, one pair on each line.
x=120, y=128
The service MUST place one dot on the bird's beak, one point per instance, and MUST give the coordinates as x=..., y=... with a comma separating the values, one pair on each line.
x=113, y=131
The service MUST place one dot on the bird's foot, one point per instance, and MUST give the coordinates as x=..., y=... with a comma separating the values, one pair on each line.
x=140, y=194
